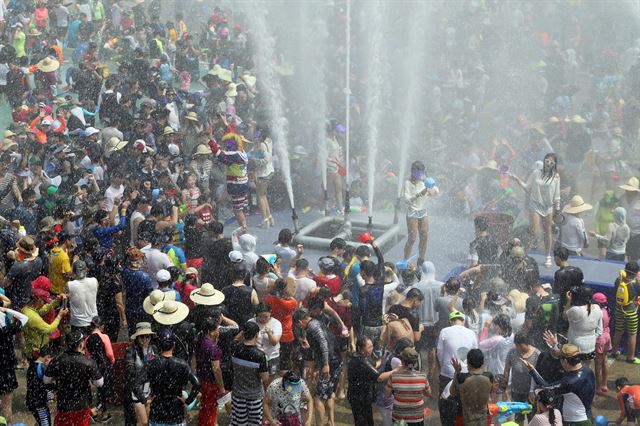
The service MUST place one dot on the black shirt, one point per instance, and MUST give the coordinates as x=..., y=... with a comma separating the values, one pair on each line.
x=237, y=299
x=371, y=297
x=216, y=261
x=73, y=373
x=21, y=274
x=36, y=389
x=363, y=378
x=485, y=249
x=167, y=377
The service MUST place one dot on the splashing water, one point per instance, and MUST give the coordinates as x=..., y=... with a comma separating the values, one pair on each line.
x=418, y=25
x=374, y=19
x=269, y=80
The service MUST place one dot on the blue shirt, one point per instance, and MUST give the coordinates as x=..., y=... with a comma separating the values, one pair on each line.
x=137, y=285
x=104, y=234
x=167, y=290
x=27, y=218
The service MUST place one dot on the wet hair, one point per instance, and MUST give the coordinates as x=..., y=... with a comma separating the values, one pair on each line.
x=503, y=321
x=481, y=223
x=621, y=382
x=262, y=266
x=409, y=277
x=362, y=342
x=262, y=307
x=300, y=314
x=414, y=293
x=401, y=344
x=631, y=268
x=315, y=303
x=302, y=264
x=469, y=304
x=250, y=330
x=208, y=325
x=285, y=236
x=521, y=339
x=349, y=252
x=548, y=174
x=215, y=227
x=338, y=243
x=363, y=251
x=581, y=296
x=368, y=268
x=96, y=322
x=29, y=192
x=280, y=286
x=547, y=398
x=452, y=285
x=475, y=358
x=290, y=376
x=237, y=273
x=561, y=253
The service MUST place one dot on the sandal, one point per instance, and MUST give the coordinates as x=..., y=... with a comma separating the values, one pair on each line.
x=271, y=221
x=264, y=224
x=633, y=361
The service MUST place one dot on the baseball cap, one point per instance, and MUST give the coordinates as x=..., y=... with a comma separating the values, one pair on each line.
x=166, y=337
x=599, y=298
x=235, y=256
x=90, y=131
x=163, y=276
x=456, y=315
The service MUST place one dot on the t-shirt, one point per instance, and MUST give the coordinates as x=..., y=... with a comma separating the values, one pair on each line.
x=332, y=282
x=408, y=387
x=371, y=300
x=442, y=307
x=542, y=419
x=263, y=343
x=484, y=250
x=454, y=342
x=238, y=301
x=520, y=378
x=206, y=351
x=584, y=327
x=286, y=254
x=21, y=274
x=282, y=401
x=404, y=312
x=156, y=260
x=282, y=310
x=474, y=391
x=82, y=301
x=59, y=266
x=303, y=286
x=633, y=290
x=248, y=363
x=543, y=314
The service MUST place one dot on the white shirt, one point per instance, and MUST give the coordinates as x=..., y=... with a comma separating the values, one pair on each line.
x=584, y=329
x=263, y=343
x=156, y=260
x=454, y=341
x=430, y=290
x=134, y=226
x=111, y=194
x=82, y=301
x=574, y=235
x=303, y=286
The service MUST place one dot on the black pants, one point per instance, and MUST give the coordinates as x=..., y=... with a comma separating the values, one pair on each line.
x=362, y=413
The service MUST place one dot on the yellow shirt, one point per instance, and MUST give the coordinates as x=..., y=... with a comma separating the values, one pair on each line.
x=59, y=266
x=36, y=331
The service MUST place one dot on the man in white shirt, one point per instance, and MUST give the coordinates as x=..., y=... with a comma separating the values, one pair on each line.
x=115, y=190
x=82, y=292
x=454, y=342
x=155, y=258
x=304, y=284
x=572, y=231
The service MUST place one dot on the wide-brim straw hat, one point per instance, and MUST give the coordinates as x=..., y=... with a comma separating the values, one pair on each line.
x=538, y=127
x=577, y=119
x=115, y=144
x=170, y=312
x=202, y=150
x=142, y=329
x=249, y=80
x=207, y=295
x=156, y=296
x=27, y=246
x=193, y=116
x=577, y=205
x=225, y=75
x=633, y=184
x=215, y=70
x=168, y=130
x=48, y=65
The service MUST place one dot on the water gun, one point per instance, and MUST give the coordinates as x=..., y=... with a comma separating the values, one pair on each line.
x=429, y=182
x=508, y=409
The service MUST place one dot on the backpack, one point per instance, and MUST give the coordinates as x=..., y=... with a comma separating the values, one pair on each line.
x=622, y=293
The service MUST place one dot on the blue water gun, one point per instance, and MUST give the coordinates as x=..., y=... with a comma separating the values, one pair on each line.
x=508, y=409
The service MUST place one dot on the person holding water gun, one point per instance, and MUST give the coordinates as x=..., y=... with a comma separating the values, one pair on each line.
x=415, y=193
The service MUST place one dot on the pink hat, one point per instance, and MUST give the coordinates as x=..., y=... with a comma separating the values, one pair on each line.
x=599, y=298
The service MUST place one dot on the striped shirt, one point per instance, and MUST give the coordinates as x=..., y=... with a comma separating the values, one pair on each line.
x=408, y=387
x=248, y=362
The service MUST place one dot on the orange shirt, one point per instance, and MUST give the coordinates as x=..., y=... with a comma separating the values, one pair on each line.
x=282, y=310
x=632, y=391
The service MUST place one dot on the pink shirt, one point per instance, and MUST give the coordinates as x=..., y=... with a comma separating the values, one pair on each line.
x=606, y=333
x=41, y=15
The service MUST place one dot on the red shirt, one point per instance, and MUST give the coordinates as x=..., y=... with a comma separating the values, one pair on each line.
x=282, y=310
x=334, y=284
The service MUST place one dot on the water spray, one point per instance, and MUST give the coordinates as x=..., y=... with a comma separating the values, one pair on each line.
x=396, y=210
x=347, y=93
x=294, y=219
x=326, y=202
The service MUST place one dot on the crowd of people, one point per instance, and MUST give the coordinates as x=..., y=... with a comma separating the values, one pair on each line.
x=120, y=284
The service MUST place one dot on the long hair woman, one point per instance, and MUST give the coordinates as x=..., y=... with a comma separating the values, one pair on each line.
x=415, y=194
x=543, y=187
